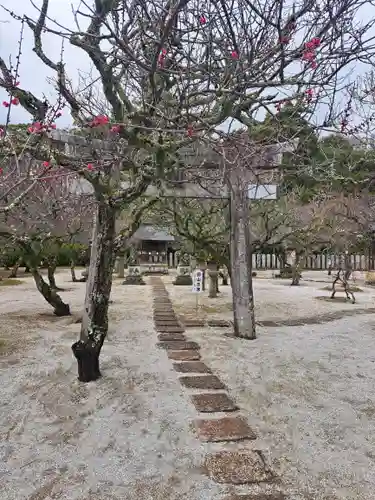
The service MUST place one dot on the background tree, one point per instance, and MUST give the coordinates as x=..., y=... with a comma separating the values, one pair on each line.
x=44, y=219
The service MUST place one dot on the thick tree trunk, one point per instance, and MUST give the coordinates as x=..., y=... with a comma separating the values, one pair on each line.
x=99, y=283
x=13, y=273
x=50, y=295
x=240, y=259
x=27, y=269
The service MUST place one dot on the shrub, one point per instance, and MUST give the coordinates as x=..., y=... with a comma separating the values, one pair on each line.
x=10, y=255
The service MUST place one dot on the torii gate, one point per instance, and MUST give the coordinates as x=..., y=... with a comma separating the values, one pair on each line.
x=236, y=189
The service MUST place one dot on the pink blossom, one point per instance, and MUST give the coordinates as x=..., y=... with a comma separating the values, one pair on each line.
x=15, y=101
x=310, y=45
x=162, y=55
x=316, y=42
x=1, y=132
x=234, y=54
x=6, y=104
x=36, y=127
x=115, y=129
x=90, y=166
x=53, y=126
x=99, y=120
x=202, y=20
x=308, y=56
x=45, y=164
x=190, y=131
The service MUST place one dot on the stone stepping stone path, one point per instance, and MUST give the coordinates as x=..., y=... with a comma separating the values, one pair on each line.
x=191, y=367
x=232, y=466
x=171, y=336
x=186, y=355
x=177, y=345
x=202, y=382
x=237, y=467
x=213, y=402
x=258, y=496
x=223, y=429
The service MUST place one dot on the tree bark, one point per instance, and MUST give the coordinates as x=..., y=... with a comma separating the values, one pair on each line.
x=99, y=283
x=121, y=266
x=13, y=273
x=73, y=271
x=240, y=260
x=213, y=286
x=51, y=269
x=50, y=295
x=296, y=275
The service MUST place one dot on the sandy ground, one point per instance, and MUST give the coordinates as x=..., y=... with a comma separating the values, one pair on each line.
x=275, y=300
x=308, y=391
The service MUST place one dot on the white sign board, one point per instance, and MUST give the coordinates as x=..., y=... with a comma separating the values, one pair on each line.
x=197, y=281
x=262, y=192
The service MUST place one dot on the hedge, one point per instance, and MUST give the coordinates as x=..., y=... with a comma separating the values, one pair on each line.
x=10, y=256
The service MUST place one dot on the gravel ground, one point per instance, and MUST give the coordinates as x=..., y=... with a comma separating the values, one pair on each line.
x=126, y=437
x=308, y=392
x=274, y=300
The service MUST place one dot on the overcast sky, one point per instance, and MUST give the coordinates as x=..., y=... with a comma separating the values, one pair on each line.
x=33, y=73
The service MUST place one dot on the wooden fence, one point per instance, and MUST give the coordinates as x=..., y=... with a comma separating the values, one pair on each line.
x=316, y=261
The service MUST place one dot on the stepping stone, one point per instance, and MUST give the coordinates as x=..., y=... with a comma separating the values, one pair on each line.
x=191, y=367
x=167, y=321
x=171, y=336
x=212, y=402
x=223, y=429
x=164, y=316
x=176, y=345
x=258, y=496
x=220, y=323
x=170, y=329
x=193, y=323
x=202, y=382
x=187, y=355
x=238, y=467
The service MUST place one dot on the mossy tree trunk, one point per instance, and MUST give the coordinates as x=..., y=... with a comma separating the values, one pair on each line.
x=94, y=326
